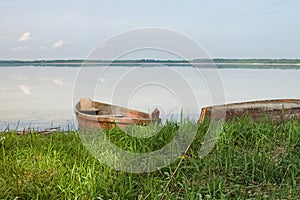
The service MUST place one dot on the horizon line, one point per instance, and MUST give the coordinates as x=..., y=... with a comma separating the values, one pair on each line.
x=143, y=59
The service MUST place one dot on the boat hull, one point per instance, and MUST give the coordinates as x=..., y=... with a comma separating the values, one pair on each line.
x=106, y=116
x=275, y=110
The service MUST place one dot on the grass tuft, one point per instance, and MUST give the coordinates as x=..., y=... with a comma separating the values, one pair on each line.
x=250, y=161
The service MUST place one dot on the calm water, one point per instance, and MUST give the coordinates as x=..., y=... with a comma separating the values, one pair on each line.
x=43, y=97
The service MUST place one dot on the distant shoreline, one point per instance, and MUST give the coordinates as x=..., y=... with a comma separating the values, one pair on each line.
x=201, y=63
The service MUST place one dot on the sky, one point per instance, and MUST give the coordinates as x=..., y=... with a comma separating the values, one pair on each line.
x=64, y=29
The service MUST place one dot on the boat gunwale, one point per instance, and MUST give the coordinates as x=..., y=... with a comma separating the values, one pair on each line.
x=112, y=119
x=253, y=105
x=256, y=102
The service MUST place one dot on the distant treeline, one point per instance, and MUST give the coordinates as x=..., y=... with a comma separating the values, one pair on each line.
x=220, y=63
x=262, y=61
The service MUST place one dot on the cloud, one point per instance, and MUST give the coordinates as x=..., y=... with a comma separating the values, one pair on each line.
x=24, y=37
x=57, y=44
x=19, y=48
x=102, y=46
x=42, y=47
x=57, y=82
x=41, y=78
x=21, y=78
x=25, y=89
x=2, y=37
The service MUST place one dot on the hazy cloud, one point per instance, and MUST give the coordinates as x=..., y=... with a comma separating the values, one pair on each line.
x=102, y=46
x=41, y=78
x=2, y=37
x=57, y=82
x=57, y=44
x=19, y=48
x=42, y=47
x=21, y=78
x=25, y=89
x=24, y=37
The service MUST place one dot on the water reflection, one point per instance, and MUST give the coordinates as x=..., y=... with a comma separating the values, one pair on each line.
x=43, y=96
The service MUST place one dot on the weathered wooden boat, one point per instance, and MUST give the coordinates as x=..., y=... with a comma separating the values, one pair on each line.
x=275, y=110
x=91, y=114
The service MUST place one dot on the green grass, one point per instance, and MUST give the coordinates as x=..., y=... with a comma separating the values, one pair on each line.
x=250, y=161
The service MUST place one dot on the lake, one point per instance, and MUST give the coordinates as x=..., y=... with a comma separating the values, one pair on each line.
x=44, y=97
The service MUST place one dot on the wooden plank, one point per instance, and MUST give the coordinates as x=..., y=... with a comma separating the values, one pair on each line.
x=86, y=104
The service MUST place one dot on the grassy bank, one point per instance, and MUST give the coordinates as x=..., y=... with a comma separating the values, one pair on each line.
x=249, y=161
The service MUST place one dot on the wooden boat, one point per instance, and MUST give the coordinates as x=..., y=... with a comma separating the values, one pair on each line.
x=275, y=110
x=91, y=114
